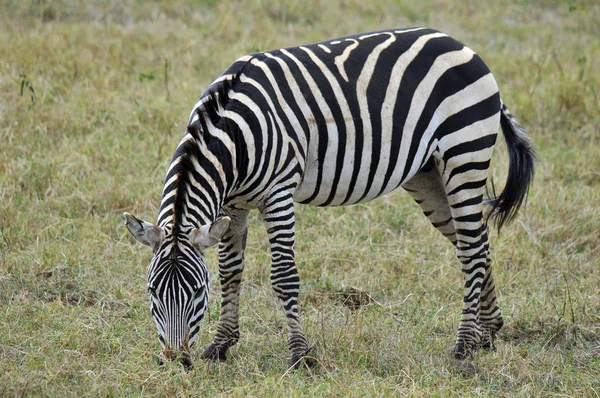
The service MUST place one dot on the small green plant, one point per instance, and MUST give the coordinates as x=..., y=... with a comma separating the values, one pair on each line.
x=146, y=76
x=27, y=88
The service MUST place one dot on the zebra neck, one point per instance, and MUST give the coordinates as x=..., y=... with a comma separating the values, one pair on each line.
x=195, y=187
x=187, y=210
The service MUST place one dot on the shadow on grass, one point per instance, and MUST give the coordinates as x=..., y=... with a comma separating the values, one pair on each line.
x=556, y=333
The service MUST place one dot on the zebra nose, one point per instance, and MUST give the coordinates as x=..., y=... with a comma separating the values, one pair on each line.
x=168, y=353
x=186, y=361
x=184, y=357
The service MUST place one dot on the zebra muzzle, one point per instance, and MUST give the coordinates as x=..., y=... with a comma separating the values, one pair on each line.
x=183, y=354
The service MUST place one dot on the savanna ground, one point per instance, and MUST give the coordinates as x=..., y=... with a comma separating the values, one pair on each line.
x=94, y=98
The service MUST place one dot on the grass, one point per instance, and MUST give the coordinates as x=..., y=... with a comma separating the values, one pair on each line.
x=93, y=100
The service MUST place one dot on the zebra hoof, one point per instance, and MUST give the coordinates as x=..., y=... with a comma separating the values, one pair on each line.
x=487, y=344
x=214, y=353
x=187, y=363
x=463, y=351
x=298, y=361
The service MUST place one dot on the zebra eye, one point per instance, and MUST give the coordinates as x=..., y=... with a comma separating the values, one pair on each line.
x=151, y=290
x=198, y=293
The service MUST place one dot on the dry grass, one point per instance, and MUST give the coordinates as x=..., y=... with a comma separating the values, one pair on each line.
x=93, y=100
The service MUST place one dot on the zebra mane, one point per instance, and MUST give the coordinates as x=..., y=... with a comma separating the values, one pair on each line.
x=188, y=150
x=216, y=100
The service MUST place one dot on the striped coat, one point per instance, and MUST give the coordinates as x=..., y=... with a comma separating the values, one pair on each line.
x=333, y=123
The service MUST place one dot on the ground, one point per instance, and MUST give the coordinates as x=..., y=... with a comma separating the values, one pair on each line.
x=94, y=98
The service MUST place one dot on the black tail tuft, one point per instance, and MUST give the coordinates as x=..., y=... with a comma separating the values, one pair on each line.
x=520, y=171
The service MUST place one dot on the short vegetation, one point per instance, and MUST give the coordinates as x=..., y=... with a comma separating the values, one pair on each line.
x=94, y=97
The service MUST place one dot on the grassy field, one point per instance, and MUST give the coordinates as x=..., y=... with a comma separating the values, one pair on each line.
x=94, y=98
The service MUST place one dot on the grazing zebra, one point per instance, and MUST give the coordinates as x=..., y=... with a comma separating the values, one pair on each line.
x=333, y=123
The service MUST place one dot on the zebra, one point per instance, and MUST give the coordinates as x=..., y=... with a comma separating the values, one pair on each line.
x=338, y=122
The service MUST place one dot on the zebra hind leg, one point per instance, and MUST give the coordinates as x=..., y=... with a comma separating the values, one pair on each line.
x=427, y=190
x=231, y=266
x=464, y=184
x=489, y=312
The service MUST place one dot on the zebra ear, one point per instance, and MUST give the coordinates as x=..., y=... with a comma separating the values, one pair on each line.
x=210, y=234
x=144, y=232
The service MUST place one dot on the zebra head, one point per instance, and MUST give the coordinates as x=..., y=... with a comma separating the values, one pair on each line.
x=177, y=280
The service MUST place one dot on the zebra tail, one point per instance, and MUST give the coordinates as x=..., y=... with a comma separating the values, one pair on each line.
x=520, y=171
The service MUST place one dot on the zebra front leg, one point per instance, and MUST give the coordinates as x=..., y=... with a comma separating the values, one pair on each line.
x=231, y=266
x=278, y=216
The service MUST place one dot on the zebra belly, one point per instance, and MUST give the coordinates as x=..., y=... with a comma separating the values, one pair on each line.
x=329, y=197
x=343, y=183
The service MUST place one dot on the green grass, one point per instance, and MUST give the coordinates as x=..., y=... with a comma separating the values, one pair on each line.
x=94, y=98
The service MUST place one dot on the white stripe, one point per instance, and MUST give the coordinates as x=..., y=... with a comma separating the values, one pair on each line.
x=312, y=168
x=325, y=48
x=362, y=85
x=469, y=133
x=248, y=135
x=340, y=59
x=221, y=78
x=173, y=178
x=330, y=162
x=409, y=30
x=210, y=182
x=369, y=35
x=275, y=120
x=387, y=109
x=290, y=115
x=471, y=95
x=469, y=157
x=420, y=97
x=300, y=101
x=244, y=129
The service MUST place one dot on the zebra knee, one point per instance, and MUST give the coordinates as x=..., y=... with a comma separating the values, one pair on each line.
x=228, y=330
x=285, y=281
